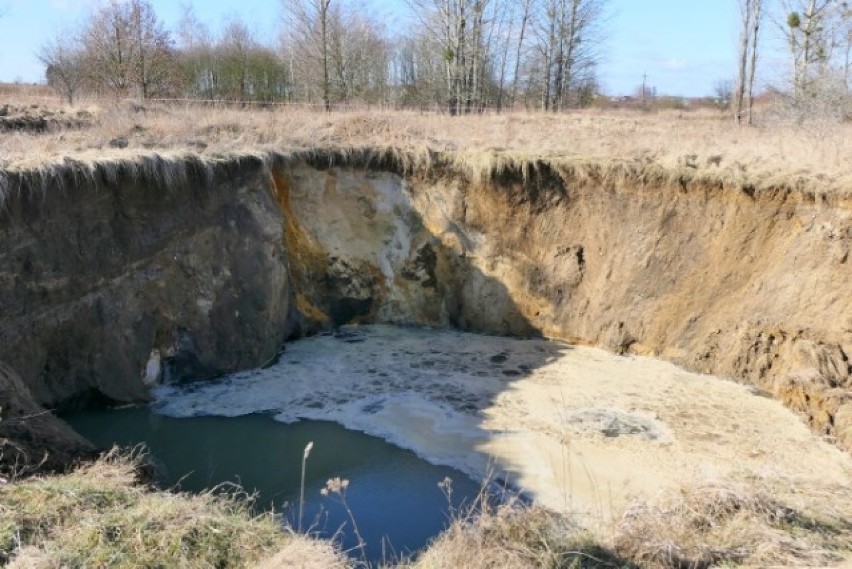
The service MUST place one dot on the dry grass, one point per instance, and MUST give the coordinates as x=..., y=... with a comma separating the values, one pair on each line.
x=99, y=516
x=730, y=524
x=514, y=537
x=695, y=141
x=738, y=524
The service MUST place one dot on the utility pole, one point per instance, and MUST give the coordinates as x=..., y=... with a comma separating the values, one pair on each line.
x=644, y=88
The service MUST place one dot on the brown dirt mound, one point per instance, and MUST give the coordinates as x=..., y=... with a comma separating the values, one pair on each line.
x=36, y=119
x=32, y=439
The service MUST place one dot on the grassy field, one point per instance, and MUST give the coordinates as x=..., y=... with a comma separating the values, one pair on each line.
x=773, y=152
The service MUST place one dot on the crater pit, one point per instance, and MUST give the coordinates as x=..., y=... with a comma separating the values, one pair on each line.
x=421, y=293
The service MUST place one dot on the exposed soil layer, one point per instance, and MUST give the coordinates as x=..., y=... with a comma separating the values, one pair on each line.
x=105, y=273
x=119, y=273
x=723, y=280
x=32, y=439
x=35, y=119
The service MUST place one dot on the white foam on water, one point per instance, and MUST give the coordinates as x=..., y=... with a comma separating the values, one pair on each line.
x=577, y=429
x=417, y=388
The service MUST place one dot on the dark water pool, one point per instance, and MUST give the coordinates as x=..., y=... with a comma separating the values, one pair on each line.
x=393, y=494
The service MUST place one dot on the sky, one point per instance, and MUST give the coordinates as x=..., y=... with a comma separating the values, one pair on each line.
x=684, y=47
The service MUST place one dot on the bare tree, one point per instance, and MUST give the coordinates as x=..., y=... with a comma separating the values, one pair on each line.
x=109, y=47
x=321, y=14
x=723, y=91
x=463, y=30
x=751, y=14
x=757, y=19
x=233, y=55
x=128, y=47
x=66, y=64
x=192, y=33
x=195, y=54
x=526, y=13
x=419, y=70
x=360, y=57
x=807, y=40
x=153, y=64
x=336, y=52
x=311, y=37
x=502, y=31
x=742, y=59
x=235, y=66
x=568, y=35
x=474, y=98
x=843, y=19
x=474, y=38
x=446, y=22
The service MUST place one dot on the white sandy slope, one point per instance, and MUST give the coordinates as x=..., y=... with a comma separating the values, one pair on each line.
x=579, y=429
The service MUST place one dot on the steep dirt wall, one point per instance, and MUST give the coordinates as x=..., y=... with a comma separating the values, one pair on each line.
x=362, y=249
x=216, y=266
x=103, y=268
x=30, y=439
x=724, y=280
x=717, y=279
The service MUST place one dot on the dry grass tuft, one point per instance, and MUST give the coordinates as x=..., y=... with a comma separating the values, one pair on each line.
x=734, y=524
x=516, y=536
x=100, y=516
x=742, y=524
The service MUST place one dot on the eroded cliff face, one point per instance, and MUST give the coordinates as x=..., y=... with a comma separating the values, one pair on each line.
x=32, y=440
x=718, y=279
x=375, y=247
x=723, y=280
x=215, y=271
x=100, y=270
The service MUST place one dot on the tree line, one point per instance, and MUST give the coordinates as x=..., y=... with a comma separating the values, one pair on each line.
x=460, y=55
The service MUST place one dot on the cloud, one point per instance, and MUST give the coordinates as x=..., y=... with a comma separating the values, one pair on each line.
x=674, y=64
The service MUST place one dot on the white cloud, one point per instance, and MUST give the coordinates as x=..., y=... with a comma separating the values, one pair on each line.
x=674, y=64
